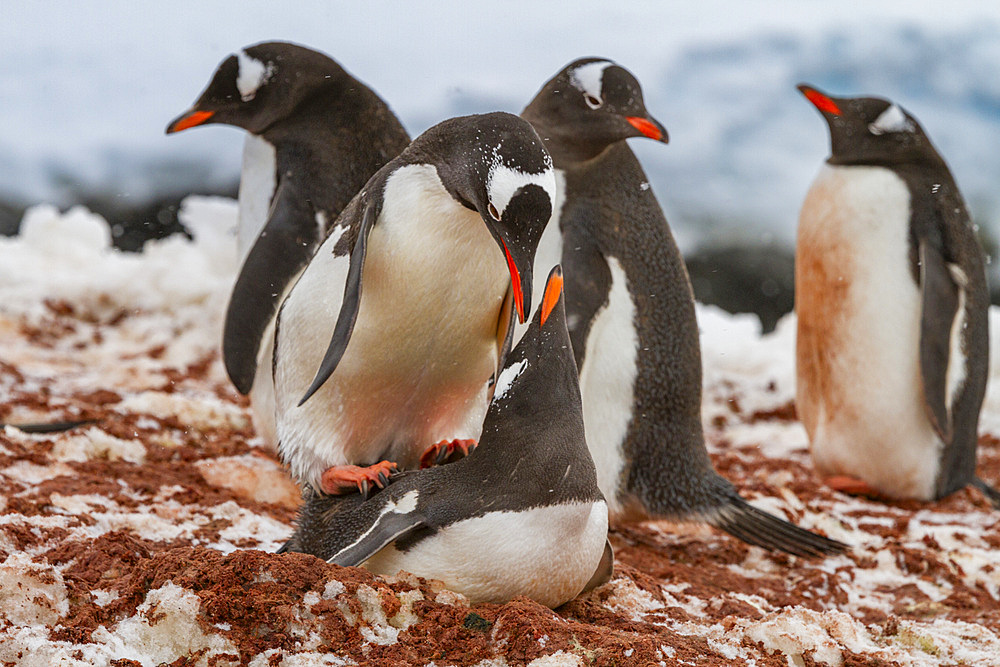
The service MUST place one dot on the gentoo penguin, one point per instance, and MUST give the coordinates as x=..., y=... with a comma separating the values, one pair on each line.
x=416, y=284
x=631, y=314
x=521, y=515
x=892, y=349
x=315, y=135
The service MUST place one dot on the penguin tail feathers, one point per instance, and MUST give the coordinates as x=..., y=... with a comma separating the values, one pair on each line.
x=754, y=526
x=992, y=494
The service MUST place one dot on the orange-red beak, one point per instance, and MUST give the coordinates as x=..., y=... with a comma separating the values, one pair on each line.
x=822, y=102
x=515, y=281
x=552, y=291
x=648, y=128
x=190, y=119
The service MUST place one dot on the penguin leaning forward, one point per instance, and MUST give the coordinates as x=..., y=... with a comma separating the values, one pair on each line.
x=315, y=135
x=386, y=344
x=631, y=315
x=892, y=350
x=520, y=515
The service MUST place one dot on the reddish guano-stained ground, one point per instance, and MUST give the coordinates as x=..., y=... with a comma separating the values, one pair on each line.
x=146, y=535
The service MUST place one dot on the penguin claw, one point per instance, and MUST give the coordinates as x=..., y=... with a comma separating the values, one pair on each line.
x=852, y=486
x=446, y=451
x=340, y=480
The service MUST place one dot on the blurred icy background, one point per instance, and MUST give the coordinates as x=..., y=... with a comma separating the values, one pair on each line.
x=86, y=90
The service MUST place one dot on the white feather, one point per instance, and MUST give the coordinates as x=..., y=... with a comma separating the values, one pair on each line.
x=607, y=382
x=503, y=182
x=892, y=119
x=507, y=377
x=547, y=553
x=957, y=360
x=252, y=75
x=257, y=183
x=589, y=78
x=865, y=414
x=548, y=253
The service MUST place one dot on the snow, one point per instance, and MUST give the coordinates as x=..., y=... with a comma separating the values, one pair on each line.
x=720, y=75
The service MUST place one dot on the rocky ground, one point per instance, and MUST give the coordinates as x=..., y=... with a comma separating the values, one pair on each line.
x=145, y=535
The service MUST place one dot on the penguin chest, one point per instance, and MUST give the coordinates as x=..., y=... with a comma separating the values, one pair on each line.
x=258, y=179
x=607, y=383
x=423, y=346
x=546, y=553
x=859, y=390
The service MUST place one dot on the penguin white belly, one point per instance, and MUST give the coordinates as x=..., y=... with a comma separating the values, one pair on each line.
x=607, y=382
x=257, y=183
x=262, y=391
x=546, y=553
x=859, y=390
x=424, y=343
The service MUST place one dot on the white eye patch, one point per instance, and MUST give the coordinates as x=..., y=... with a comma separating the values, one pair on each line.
x=503, y=182
x=507, y=377
x=252, y=75
x=891, y=120
x=589, y=78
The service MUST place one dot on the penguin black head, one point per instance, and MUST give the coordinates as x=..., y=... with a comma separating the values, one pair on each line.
x=871, y=130
x=589, y=105
x=540, y=384
x=495, y=164
x=260, y=85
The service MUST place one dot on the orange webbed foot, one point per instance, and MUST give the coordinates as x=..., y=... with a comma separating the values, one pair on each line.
x=446, y=451
x=851, y=486
x=340, y=480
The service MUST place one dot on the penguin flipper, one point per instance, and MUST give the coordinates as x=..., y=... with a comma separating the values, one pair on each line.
x=281, y=250
x=349, y=307
x=754, y=526
x=940, y=297
x=389, y=527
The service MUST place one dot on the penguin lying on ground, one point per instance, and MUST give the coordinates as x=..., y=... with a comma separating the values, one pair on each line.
x=416, y=284
x=631, y=315
x=521, y=515
x=893, y=342
x=315, y=136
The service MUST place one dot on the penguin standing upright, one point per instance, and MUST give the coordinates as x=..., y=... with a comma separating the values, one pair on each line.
x=892, y=349
x=631, y=314
x=315, y=136
x=521, y=515
x=385, y=346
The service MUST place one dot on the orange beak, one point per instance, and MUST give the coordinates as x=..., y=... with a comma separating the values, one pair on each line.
x=821, y=101
x=189, y=120
x=552, y=292
x=515, y=281
x=646, y=127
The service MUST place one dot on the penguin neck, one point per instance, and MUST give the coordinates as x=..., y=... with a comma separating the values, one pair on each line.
x=569, y=151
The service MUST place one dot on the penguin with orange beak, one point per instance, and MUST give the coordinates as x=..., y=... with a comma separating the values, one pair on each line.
x=315, y=135
x=892, y=355
x=385, y=346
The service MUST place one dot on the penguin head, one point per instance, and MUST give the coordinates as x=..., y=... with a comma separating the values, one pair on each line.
x=539, y=382
x=496, y=165
x=591, y=104
x=259, y=86
x=870, y=130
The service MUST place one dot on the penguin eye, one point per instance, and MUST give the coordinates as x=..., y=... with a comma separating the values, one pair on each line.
x=592, y=102
x=494, y=212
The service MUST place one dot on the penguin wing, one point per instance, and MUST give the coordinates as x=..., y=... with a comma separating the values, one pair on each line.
x=352, y=298
x=281, y=250
x=390, y=525
x=942, y=304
